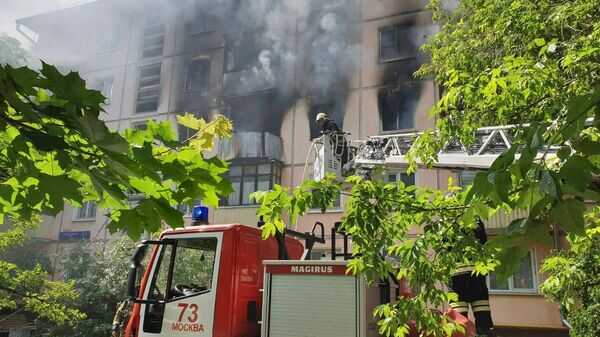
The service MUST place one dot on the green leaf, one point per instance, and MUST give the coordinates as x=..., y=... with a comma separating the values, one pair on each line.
x=577, y=172
x=517, y=226
x=540, y=42
x=548, y=184
x=504, y=160
x=172, y=216
x=564, y=152
x=511, y=258
x=481, y=186
x=569, y=215
x=502, y=184
x=44, y=142
x=588, y=147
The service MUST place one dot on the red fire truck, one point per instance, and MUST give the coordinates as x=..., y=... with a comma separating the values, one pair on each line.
x=225, y=281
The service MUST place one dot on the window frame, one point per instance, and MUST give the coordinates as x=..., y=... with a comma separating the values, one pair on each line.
x=411, y=84
x=146, y=37
x=188, y=85
x=172, y=244
x=400, y=175
x=511, y=289
x=274, y=176
x=158, y=85
x=86, y=207
x=396, y=27
x=139, y=125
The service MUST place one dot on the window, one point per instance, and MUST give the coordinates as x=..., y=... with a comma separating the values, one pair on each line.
x=148, y=94
x=105, y=86
x=401, y=42
x=202, y=22
x=407, y=179
x=153, y=38
x=250, y=177
x=191, y=272
x=398, y=105
x=466, y=177
x=86, y=212
x=198, y=76
x=139, y=126
x=522, y=281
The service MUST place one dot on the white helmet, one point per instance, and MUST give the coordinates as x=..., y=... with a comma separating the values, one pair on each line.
x=322, y=115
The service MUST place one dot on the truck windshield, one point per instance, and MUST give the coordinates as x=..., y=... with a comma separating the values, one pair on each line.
x=184, y=268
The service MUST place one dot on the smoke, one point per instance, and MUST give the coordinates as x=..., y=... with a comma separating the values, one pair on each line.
x=274, y=52
x=16, y=9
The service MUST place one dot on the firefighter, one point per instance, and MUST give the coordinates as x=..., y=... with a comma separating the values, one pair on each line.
x=472, y=291
x=328, y=127
x=121, y=318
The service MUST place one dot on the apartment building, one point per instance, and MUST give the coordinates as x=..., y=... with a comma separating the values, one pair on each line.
x=270, y=66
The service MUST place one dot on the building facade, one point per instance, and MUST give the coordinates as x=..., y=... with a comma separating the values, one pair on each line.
x=270, y=66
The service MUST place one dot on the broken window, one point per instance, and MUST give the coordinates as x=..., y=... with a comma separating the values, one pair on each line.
x=248, y=177
x=241, y=51
x=153, y=38
x=402, y=41
x=198, y=75
x=397, y=107
x=148, y=94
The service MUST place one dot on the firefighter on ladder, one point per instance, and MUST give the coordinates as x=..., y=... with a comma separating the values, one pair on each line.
x=328, y=127
x=472, y=290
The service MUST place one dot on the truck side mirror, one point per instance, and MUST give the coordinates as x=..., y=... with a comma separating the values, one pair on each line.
x=136, y=261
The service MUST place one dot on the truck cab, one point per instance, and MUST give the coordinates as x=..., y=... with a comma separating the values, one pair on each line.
x=203, y=280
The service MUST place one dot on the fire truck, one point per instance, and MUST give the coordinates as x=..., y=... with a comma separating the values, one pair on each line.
x=225, y=281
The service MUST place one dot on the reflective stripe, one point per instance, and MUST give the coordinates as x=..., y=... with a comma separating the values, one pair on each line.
x=459, y=304
x=482, y=308
x=482, y=302
x=461, y=310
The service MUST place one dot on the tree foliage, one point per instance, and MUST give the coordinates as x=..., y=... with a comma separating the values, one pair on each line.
x=534, y=65
x=11, y=52
x=574, y=279
x=30, y=289
x=55, y=150
x=96, y=274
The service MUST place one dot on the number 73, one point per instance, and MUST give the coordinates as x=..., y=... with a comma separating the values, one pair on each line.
x=193, y=317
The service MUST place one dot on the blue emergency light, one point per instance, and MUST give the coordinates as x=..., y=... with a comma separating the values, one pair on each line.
x=200, y=214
